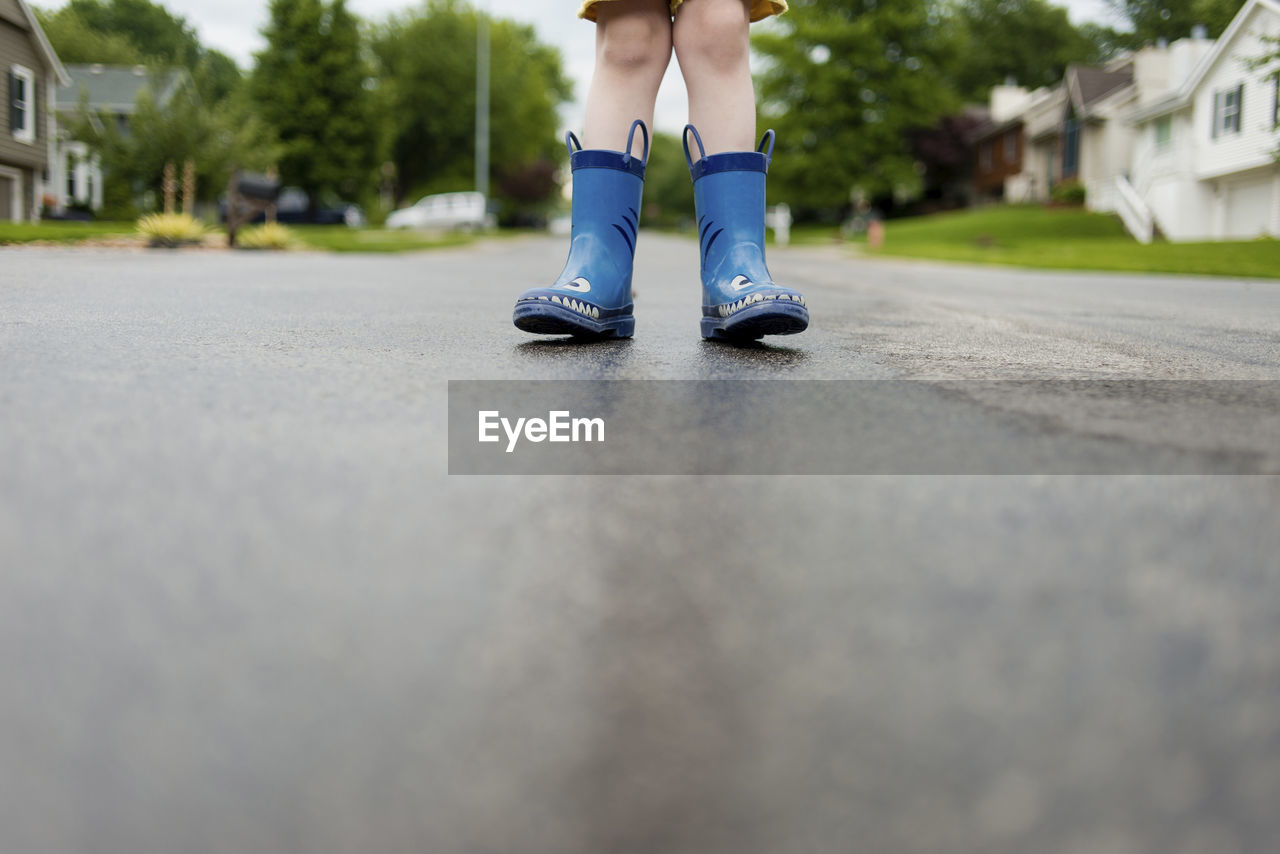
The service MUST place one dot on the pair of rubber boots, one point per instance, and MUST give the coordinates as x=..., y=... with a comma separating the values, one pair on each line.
x=592, y=297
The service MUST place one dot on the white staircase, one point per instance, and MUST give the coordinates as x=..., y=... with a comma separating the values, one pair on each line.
x=1133, y=211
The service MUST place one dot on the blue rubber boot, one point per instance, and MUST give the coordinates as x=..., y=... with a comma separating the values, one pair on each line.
x=592, y=297
x=740, y=300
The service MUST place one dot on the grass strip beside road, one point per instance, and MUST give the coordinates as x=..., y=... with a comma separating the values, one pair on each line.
x=62, y=232
x=335, y=238
x=338, y=238
x=1066, y=239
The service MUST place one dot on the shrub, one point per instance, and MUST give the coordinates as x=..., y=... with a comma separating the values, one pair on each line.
x=171, y=230
x=1068, y=193
x=271, y=235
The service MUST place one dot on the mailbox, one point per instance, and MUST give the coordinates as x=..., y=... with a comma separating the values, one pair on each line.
x=257, y=188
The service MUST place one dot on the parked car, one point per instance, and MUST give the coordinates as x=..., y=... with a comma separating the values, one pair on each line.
x=446, y=210
x=294, y=208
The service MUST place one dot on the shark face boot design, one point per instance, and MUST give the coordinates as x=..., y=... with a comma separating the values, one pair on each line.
x=740, y=300
x=592, y=297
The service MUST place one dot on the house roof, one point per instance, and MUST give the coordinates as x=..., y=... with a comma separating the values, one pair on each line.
x=115, y=87
x=1182, y=97
x=1090, y=85
x=989, y=128
x=42, y=41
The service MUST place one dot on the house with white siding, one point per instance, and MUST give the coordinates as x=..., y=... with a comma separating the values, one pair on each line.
x=1204, y=162
x=1079, y=129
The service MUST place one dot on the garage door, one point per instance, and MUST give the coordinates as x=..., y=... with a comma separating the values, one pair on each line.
x=7, y=189
x=1249, y=208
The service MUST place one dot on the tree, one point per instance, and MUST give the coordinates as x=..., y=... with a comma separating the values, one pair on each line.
x=311, y=84
x=427, y=65
x=153, y=29
x=1153, y=20
x=946, y=154
x=668, y=192
x=847, y=82
x=76, y=42
x=1029, y=41
x=128, y=32
x=215, y=138
x=1216, y=14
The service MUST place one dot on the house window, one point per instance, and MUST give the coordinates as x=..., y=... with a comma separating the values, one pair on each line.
x=1226, y=110
x=1011, y=147
x=22, y=104
x=1071, y=149
x=1164, y=132
x=984, y=156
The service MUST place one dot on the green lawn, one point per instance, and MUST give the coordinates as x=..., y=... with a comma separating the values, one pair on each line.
x=337, y=238
x=61, y=232
x=1066, y=238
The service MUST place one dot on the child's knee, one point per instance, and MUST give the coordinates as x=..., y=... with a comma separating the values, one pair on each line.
x=635, y=42
x=714, y=33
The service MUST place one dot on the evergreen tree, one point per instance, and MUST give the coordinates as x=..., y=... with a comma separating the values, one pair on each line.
x=311, y=85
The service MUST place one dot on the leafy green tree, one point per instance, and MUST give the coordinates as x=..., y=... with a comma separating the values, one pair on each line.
x=1030, y=41
x=1152, y=20
x=312, y=85
x=1107, y=41
x=847, y=81
x=217, y=76
x=126, y=32
x=216, y=138
x=76, y=42
x=668, y=192
x=153, y=29
x=427, y=63
x=1216, y=14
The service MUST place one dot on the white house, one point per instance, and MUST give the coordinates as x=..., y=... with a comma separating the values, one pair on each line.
x=1204, y=161
x=1041, y=129
x=1079, y=129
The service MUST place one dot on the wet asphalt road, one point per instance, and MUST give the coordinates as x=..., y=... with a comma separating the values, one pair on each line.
x=244, y=609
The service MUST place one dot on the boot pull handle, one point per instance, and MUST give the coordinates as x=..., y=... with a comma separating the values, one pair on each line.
x=644, y=159
x=769, y=138
x=765, y=147
x=572, y=143
x=688, y=156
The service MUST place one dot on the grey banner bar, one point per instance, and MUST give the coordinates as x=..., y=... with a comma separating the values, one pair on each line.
x=855, y=427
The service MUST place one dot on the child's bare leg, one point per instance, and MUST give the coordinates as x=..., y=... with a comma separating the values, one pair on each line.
x=713, y=47
x=740, y=299
x=633, y=49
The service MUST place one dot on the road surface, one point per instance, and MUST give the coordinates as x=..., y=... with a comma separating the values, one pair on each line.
x=243, y=608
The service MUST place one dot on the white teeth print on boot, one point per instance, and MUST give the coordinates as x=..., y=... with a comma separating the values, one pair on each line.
x=740, y=300
x=592, y=297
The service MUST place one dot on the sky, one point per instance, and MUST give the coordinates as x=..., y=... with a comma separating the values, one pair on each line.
x=232, y=26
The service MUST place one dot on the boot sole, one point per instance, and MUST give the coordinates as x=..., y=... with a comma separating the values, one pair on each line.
x=757, y=321
x=550, y=319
